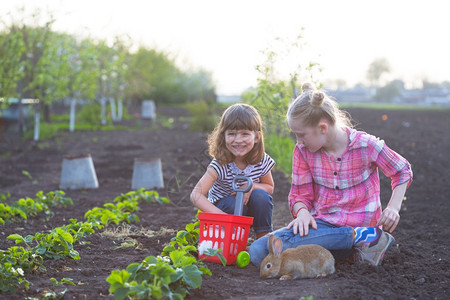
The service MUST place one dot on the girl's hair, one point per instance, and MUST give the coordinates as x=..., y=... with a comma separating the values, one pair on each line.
x=236, y=117
x=314, y=105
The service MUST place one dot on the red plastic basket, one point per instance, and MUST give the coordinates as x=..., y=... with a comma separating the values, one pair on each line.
x=227, y=232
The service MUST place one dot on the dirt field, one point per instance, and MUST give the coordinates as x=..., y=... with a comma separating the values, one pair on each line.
x=417, y=267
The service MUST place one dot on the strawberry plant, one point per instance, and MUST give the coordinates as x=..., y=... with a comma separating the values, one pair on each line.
x=142, y=195
x=58, y=243
x=186, y=240
x=28, y=207
x=14, y=264
x=156, y=278
x=123, y=210
x=115, y=213
x=63, y=281
x=170, y=275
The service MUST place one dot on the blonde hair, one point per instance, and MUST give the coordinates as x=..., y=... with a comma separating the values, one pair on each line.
x=314, y=105
x=238, y=116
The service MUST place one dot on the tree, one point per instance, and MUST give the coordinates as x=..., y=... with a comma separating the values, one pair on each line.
x=376, y=69
x=273, y=94
x=34, y=60
x=390, y=91
x=11, y=51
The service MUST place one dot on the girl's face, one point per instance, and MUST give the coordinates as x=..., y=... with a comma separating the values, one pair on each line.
x=311, y=137
x=240, y=142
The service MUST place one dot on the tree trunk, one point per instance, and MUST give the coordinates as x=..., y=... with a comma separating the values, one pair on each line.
x=103, y=110
x=119, y=109
x=46, y=113
x=20, y=108
x=113, y=109
x=73, y=103
x=36, y=123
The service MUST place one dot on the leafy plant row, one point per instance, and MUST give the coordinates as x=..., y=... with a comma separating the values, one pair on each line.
x=58, y=243
x=28, y=207
x=170, y=275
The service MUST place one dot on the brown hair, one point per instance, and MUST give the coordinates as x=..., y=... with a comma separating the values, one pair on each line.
x=314, y=105
x=238, y=116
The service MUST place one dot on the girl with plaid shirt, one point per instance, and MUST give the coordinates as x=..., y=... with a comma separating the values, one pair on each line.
x=335, y=191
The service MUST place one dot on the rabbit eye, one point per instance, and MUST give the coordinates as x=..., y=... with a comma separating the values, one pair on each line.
x=268, y=266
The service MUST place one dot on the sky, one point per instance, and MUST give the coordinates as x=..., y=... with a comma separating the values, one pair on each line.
x=227, y=38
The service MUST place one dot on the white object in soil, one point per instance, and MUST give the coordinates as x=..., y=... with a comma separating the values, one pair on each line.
x=78, y=172
x=148, y=109
x=147, y=173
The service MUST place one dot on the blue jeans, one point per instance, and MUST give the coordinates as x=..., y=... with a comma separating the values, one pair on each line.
x=339, y=240
x=259, y=207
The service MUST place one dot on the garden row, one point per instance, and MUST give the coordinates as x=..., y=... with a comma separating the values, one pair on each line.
x=171, y=274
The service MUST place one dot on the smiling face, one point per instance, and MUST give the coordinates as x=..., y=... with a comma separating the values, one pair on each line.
x=312, y=137
x=240, y=142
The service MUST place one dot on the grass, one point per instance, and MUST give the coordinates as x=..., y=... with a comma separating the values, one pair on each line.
x=391, y=106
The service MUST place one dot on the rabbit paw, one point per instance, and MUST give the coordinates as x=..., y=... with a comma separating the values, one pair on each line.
x=286, y=277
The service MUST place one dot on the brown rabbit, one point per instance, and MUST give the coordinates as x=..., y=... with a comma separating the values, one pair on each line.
x=308, y=261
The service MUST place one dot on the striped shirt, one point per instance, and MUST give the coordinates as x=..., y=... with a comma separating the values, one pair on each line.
x=345, y=190
x=222, y=186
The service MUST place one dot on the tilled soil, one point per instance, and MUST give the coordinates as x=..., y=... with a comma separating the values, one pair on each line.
x=417, y=267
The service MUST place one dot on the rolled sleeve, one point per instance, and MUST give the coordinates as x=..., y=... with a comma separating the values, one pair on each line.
x=392, y=164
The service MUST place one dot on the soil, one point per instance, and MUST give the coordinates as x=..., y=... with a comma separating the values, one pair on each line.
x=417, y=267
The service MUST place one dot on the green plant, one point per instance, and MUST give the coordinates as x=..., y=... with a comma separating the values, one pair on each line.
x=170, y=275
x=281, y=148
x=26, y=207
x=62, y=282
x=142, y=195
x=51, y=295
x=90, y=114
x=14, y=264
x=27, y=174
x=64, y=118
x=55, y=245
x=4, y=197
x=203, y=117
x=58, y=243
x=113, y=213
x=186, y=240
x=46, y=131
x=165, y=122
x=157, y=277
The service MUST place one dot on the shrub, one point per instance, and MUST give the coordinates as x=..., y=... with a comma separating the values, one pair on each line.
x=203, y=118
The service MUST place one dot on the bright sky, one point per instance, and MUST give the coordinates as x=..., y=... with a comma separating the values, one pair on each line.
x=227, y=37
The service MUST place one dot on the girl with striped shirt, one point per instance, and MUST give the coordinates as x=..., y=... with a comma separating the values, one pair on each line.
x=237, y=148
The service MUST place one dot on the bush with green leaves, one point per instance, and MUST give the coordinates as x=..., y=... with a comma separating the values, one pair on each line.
x=203, y=117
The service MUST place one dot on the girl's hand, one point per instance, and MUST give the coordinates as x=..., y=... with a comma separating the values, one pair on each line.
x=302, y=222
x=246, y=195
x=389, y=219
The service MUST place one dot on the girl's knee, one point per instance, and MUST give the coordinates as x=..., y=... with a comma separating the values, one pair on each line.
x=261, y=196
x=260, y=193
x=258, y=250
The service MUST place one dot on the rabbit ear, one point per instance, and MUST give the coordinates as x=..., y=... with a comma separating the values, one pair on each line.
x=277, y=246
x=271, y=237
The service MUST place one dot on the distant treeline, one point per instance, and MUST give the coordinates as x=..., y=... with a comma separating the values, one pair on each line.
x=37, y=62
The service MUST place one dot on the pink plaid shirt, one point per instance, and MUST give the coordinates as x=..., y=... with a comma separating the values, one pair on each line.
x=345, y=190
